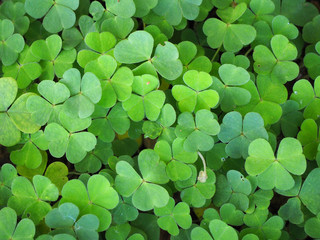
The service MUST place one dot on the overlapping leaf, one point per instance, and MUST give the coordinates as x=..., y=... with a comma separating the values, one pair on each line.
x=171, y=216
x=57, y=15
x=10, y=229
x=230, y=92
x=146, y=102
x=197, y=132
x=197, y=95
x=275, y=172
x=96, y=198
x=31, y=199
x=11, y=43
x=277, y=63
x=239, y=133
x=54, y=60
x=138, y=48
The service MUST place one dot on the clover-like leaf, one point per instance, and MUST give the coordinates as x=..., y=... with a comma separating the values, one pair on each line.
x=239, y=134
x=299, y=12
x=95, y=198
x=261, y=162
x=120, y=231
x=197, y=133
x=145, y=195
x=54, y=61
x=137, y=48
x=120, y=27
x=116, y=85
x=166, y=61
x=292, y=211
x=194, y=192
x=124, y=8
x=57, y=15
x=150, y=101
x=174, y=11
x=309, y=138
x=291, y=118
x=20, y=117
x=109, y=122
x=312, y=61
x=220, y=230
x=31, y=199
x=176, y=159
x=143, y=8
x=200, y=232
x=11, y=43
x=230, y=92
x=170, y=216
x=192, y=59
x=234, y=188
x=75, y=145
x=150, y=195
x=47, y=49
x=232, y=36
x=29, y=155
x=261, y=226
x=127, y=180
x=310, y=30
x=309, y=193
x=281, y=25
x=307, y=97
x=230, y=215
x=311, y=227
x=85, y=92
x=167, y=116
x=9, y=133
x=7, y=174
x=15, y=12
x=279, y=63
x=195, y=96
x=99, y=43
x=54, y=92
x=9, y=229
x=94, y=159
x=151, y=168
x=261, y=10
x=237, y=60
x=266, y=97
x=124, y=212
x=30, y=173
x=25, y=70
x=57, y=172
x=65, y=217
x=231, y=14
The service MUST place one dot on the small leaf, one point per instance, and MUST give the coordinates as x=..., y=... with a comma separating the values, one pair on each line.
x=137, y=48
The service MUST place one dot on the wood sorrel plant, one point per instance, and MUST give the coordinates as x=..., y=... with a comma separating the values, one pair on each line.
x=159, y=119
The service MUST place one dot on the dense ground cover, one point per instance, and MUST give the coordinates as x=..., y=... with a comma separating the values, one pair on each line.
x=159, y=119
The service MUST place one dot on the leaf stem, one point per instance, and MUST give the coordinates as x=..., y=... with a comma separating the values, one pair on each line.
x=74, y=173
x=203, y=174
x=215, y=54
x=247, y=52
